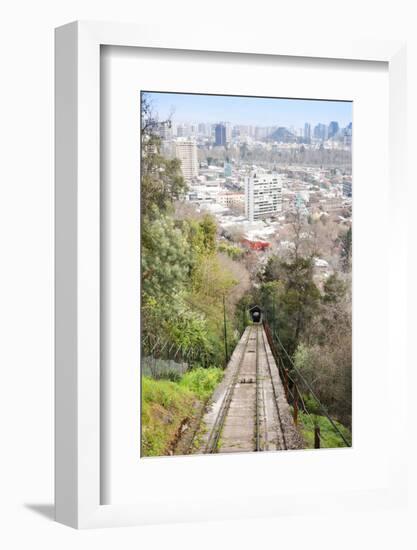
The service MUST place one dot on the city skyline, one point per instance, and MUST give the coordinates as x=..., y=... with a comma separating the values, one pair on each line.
x=252, y=111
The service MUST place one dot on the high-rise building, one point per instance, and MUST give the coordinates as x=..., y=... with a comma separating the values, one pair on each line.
x=333, y=128
x=164, y=130
x=227, y=170
x=220, y=135
x=260, y=132
x=347, y=135
x=186, y=151
x=184, y=130
x=228, y=128
x=263, y=196
x=242, y=131
x=204, y=129
x=320, y=132
x=307, y=131
x=347, y=186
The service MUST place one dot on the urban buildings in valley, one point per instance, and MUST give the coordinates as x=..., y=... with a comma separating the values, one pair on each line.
x=186, y=152
x=347, y=186
x=232, y=200
x=307, y=132
x=321, y=132
x=263, y=196
x=228, y=170
x=303, y=168
x=333, y=129
x=220, y=135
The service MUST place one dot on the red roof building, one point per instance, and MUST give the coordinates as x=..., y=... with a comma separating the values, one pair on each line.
x=256, y=245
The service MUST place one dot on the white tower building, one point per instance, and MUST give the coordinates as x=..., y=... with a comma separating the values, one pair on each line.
x=263, y=196
x=186, y=151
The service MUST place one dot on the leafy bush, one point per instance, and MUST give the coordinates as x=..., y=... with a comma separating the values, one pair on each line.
x=312, y=405
x=202, y=382
x=167, y=405
x=162, y=369
x=329, y=438
x=232, y=251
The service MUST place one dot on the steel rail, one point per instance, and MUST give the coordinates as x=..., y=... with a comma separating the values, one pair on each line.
x=276, y=355
x=265, y=417
x=257, y=416
x=214, y=437
x=284, y=441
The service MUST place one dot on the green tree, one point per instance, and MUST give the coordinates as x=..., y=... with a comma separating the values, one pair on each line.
x=166, y=258
x=161, y=178
x=334, y=289
x=346, y=250
x=296, y=299
x=184, y=278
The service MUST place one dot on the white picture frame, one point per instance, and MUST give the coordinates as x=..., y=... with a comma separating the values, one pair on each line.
x=78, y=406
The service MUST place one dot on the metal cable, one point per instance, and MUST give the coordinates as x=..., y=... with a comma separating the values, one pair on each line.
x=323, y=410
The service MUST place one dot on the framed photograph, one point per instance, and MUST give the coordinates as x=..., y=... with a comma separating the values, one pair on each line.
x=227, y=228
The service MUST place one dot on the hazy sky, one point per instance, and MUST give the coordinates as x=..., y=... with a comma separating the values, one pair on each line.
x=250, y=110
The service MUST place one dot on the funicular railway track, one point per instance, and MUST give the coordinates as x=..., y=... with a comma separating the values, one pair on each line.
x=251, y=414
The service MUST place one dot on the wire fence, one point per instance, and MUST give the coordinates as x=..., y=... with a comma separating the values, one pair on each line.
x=162, y=358
x=167, y=369
x=295, y=384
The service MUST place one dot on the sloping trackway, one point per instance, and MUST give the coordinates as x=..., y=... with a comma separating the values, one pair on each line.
x=249, y=411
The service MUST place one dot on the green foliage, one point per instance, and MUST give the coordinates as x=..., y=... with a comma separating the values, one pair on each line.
x=303, y=358
x=211, y=280
x=208, y=229
x=183, y=283
x=189, y=332
x=327, y=369
x=334, y=289
x=346, y=249
x=167, y=405
x=329, y=438
x=272, y=271
x=234, y=252
x=161, y=181
x=314, y=327
x=183, y=277
x=311, y=404
x=304, y=361
x=242, y=309
x=162, y=369
x=202, y=382
x=201, y=237
x=289, y=297
x=166, y=257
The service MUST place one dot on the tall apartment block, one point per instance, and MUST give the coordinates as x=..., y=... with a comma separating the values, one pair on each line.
x=186, y=151
x=220, y=135
x=263, y=196
x=347, y=186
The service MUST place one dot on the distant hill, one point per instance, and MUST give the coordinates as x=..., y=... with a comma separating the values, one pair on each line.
x=282, y=134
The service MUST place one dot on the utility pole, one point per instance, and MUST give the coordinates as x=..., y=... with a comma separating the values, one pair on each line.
x=295, y=405
x=316, y=437
x=226, y=354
